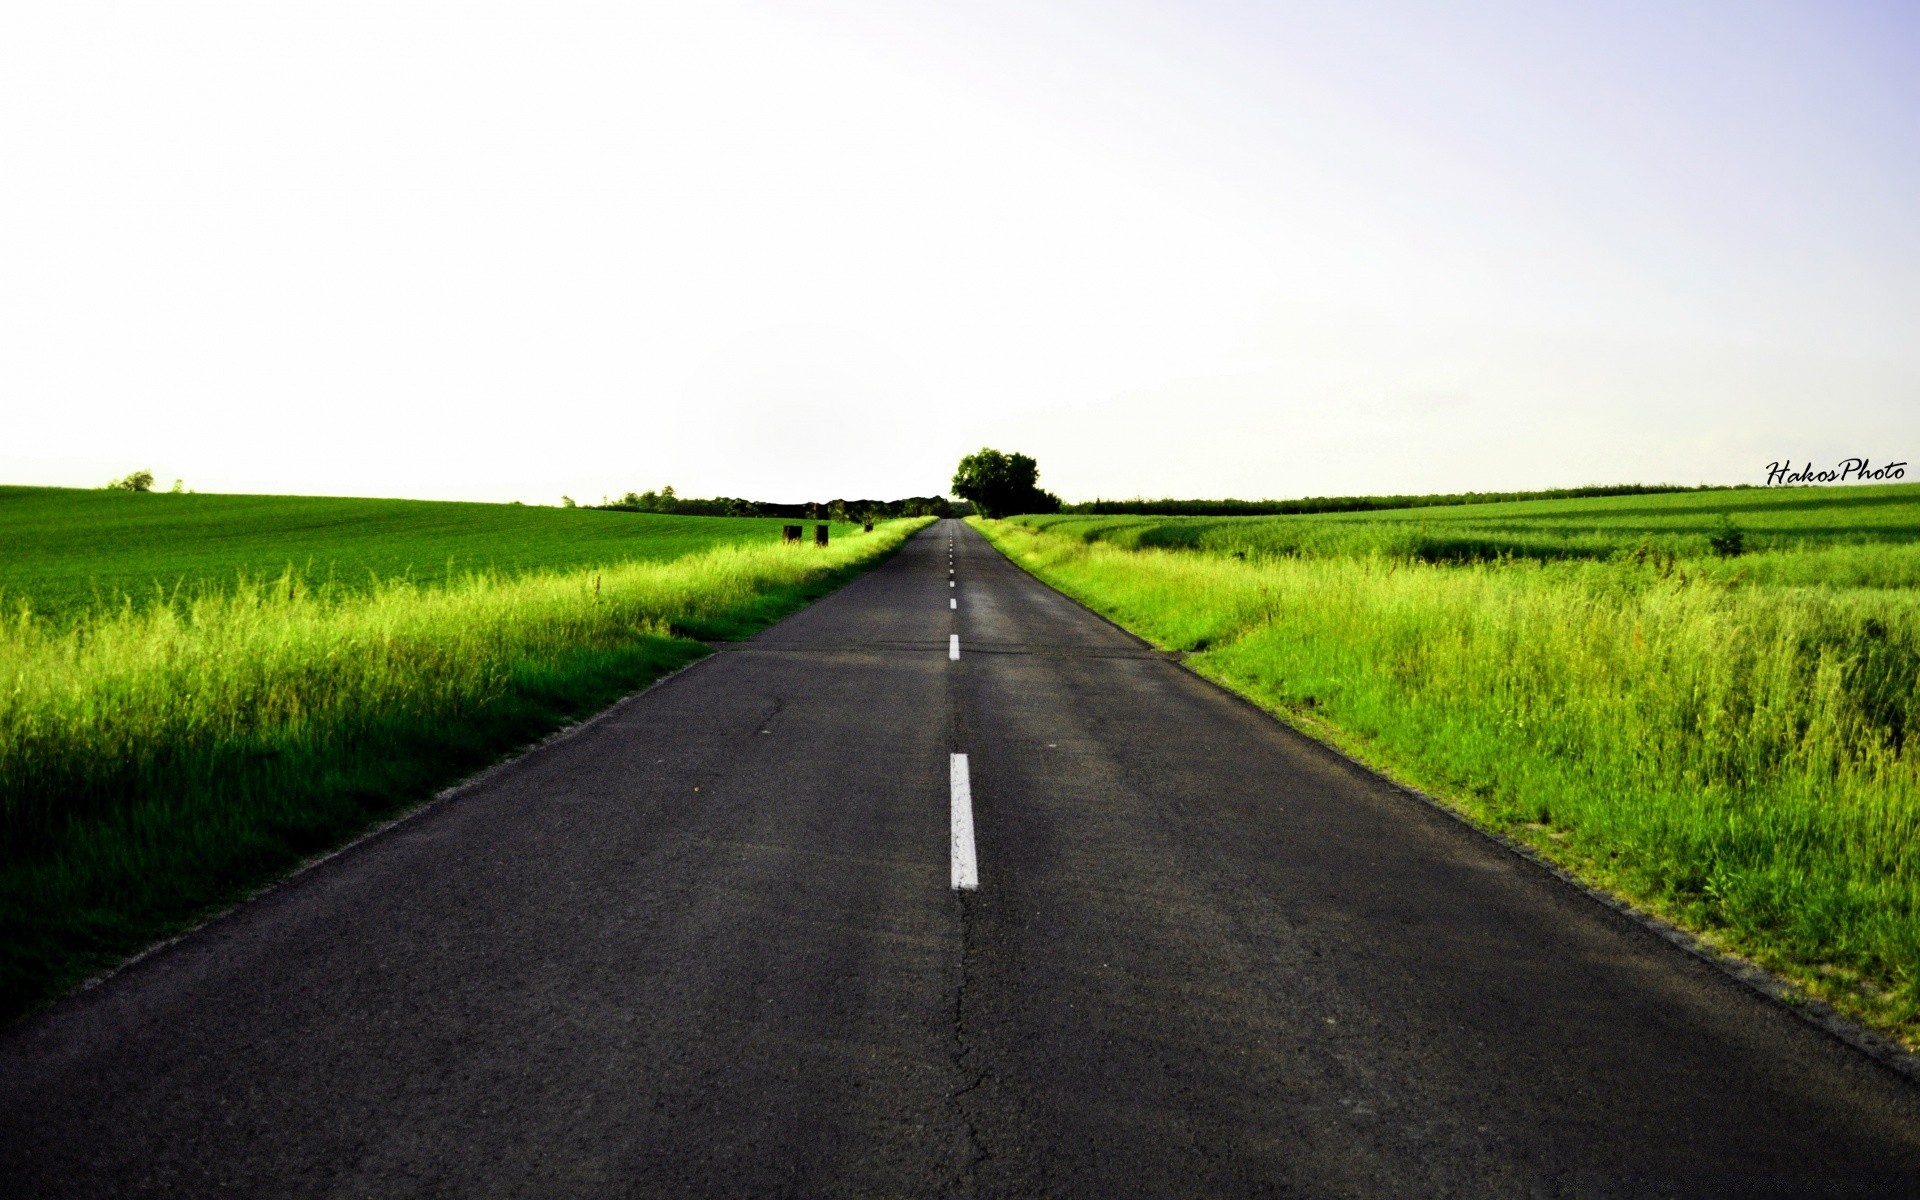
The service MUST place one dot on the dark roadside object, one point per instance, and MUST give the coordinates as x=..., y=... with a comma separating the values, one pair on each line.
x=867, y=528
x=790, y=533
x=820, y=535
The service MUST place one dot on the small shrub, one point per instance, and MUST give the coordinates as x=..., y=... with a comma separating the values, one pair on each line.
x=1729, y=540
x=138, y=481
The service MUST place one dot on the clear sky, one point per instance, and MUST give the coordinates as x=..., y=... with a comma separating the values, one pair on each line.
x=804, y=249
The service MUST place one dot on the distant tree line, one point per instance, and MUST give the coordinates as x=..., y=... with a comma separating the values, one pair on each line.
x=665, y=501
x=1334, y=504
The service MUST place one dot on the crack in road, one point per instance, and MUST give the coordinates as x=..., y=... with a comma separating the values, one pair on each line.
x=973, y=1150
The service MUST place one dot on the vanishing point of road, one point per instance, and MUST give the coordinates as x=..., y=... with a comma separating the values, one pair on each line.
x=941, y=886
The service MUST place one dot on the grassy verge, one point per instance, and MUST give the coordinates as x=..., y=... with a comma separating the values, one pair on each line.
x=1731, y=757
x=158, y=764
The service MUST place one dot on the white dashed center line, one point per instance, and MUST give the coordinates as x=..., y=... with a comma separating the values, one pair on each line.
x=953, y=647
x=953, y=603
x=966, y=869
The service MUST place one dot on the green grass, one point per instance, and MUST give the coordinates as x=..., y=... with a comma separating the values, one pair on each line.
x=1726, y=741
x=160, y=761
x=65, y=551
x=1857, y=537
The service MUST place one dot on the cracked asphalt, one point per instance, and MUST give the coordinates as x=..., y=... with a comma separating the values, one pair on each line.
x=706, y=946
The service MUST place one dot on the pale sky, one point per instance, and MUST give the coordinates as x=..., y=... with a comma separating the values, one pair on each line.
x=799, y=250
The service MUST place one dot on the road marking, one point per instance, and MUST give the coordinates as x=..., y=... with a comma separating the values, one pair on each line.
x=966, y=869
x=949, y=583
x=952, y=603
x=953, y=647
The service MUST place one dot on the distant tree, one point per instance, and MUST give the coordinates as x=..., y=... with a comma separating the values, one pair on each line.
x=179, y=487
x=1000, y=485
x=566, y=502
x=139, y=481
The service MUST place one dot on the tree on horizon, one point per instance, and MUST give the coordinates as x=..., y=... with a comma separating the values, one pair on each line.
x=1000, y=485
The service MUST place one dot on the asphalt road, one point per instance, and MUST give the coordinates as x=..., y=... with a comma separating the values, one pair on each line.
x=709, y=946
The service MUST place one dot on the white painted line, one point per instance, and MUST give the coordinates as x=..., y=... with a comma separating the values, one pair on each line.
x=966, y=868
x=949, y=583
x=952, y=603
x=953, y=647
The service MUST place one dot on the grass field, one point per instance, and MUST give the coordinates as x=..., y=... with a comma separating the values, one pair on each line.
x=66, y=551
x=1868, y=536
x=1723, y=739
x=159, y=761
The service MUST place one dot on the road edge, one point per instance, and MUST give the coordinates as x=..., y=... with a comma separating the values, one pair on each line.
x=1754, y=978
x=452, y=791
x=508, y=760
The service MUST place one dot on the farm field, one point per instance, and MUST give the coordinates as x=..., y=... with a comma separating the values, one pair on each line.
x=1721, y=737
x=64, y=551
x=1868, y=536
x=159, y=760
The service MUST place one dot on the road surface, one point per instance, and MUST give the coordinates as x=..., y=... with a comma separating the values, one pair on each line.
x=711, y=945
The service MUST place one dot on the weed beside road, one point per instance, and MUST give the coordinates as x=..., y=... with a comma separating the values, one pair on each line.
x=1735, y=755
x=160, y=762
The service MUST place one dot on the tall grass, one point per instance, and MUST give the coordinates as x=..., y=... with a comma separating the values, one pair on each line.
x=1739, y=758
x=158, y=761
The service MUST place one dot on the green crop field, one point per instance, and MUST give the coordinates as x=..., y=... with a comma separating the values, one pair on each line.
x=66, y=551
x=161, y=758
x=1868, y=536
x=1722, y=737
